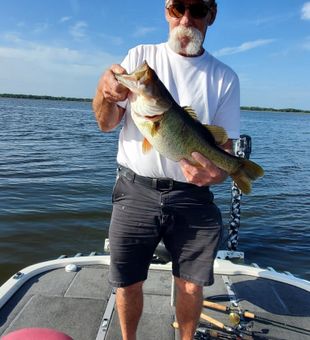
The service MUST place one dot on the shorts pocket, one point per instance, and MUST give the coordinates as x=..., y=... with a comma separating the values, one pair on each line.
x=117, y=193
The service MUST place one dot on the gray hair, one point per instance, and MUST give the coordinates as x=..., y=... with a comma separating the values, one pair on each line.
x=209, y=2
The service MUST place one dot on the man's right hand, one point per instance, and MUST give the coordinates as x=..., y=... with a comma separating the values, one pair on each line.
x=109, y=92
x=111, y=89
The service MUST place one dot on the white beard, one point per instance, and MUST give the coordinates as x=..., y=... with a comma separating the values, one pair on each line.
x=193, y=47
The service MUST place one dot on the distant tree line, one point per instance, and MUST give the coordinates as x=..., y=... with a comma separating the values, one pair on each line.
x=271, y=109
x=31, y=96
x=244, y=108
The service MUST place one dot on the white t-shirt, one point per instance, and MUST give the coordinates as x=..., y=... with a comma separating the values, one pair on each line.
x=204, y=83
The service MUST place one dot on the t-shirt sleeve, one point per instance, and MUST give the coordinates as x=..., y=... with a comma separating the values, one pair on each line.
x=228, y=110
x=133, y=59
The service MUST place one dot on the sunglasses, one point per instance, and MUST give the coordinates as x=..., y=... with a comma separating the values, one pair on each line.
x=197, y=11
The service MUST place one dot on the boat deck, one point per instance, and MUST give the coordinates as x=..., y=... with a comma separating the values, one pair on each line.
x=77, y=302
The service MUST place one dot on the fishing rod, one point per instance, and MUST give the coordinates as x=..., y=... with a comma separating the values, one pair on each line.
x=235, y=316
x=207, y=332
x=221, y=331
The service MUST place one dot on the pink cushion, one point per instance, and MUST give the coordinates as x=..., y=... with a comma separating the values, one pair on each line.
x=36, y=334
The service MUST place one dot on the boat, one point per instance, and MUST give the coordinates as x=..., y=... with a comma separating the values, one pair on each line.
x=71, y=296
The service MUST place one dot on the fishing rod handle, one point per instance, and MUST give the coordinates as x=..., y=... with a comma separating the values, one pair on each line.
x=213, y=321
x=249, y=315
x=214, y=305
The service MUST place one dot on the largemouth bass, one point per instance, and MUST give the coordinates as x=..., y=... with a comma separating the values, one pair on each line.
x=175, y=131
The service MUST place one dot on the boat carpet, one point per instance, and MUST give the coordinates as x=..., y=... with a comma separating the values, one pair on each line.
x=75, y=303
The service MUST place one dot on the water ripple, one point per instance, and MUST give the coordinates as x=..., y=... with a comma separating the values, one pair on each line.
x=57, y=171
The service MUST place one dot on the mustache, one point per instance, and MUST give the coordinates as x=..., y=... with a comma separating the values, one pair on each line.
x=194, y=36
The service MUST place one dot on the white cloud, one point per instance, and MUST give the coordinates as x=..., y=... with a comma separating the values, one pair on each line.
x=78, y=30
x=33, y=68
x=12, y=37
x=143, y=31
x=275, y=18
x=249, y=45
x=64, y=19
x=40, y=27
x=305, y=11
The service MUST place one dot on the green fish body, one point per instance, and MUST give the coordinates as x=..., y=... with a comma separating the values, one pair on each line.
x=175, y=132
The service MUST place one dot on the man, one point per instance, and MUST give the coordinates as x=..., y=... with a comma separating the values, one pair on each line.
x=146, y=208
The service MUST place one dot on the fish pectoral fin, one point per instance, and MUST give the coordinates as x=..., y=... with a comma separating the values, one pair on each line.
x=155, y=128
x=146, y=146
x=248, y=171
x=190, y=111
x=219, y=133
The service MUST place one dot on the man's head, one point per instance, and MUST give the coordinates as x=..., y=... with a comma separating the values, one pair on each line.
x=188, y=22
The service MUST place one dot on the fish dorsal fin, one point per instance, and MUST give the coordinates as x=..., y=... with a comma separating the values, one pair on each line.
x=146, y=146
x=218, y=133
x=191, y=112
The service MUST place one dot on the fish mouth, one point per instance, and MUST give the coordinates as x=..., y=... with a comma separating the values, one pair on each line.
x=127, y=80
x=131, y=83
x=135, y=80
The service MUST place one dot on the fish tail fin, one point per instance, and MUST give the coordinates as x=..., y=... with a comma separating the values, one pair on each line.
x=247, y=172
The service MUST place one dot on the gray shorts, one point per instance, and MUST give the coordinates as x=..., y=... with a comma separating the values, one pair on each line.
x=185, y=218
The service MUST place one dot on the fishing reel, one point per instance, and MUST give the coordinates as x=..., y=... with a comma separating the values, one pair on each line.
x=240, y=323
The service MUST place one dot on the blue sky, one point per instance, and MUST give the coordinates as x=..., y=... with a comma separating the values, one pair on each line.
x=60, y=47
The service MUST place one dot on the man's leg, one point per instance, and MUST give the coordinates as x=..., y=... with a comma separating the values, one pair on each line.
x=129, y=303
x=188, y=307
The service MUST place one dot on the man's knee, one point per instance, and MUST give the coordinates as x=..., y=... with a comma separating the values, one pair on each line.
x=133, y=289
x=186, y=287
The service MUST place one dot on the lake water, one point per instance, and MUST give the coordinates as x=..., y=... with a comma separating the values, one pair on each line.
x=57, y=171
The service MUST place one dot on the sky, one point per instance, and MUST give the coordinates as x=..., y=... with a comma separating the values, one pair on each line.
x=61, y=47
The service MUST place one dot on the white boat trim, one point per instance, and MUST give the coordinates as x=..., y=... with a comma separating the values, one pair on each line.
x=221, y=267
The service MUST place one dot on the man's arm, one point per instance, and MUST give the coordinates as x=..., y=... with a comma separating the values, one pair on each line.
x=207, y=173
x=109, y=92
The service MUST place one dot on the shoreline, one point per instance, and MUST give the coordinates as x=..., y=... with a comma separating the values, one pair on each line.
x=242, y=108
x=38, y=97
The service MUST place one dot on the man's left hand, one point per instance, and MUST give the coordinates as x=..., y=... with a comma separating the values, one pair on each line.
x=205, y=173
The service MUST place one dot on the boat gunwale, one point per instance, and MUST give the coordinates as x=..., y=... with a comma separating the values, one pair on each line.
x=221, y=267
